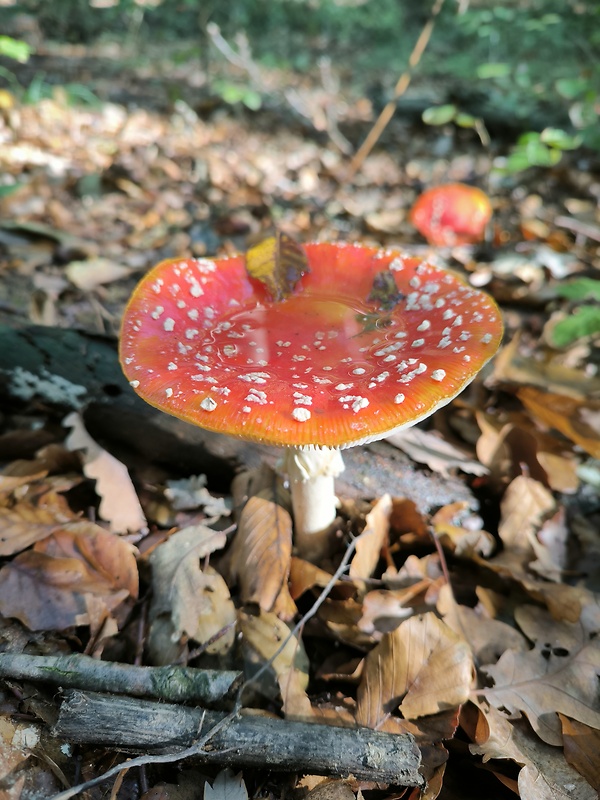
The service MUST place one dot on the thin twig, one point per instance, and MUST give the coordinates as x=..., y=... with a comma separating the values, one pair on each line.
x=401, y=86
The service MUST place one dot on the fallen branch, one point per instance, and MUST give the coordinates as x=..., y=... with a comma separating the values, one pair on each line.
x=174, y=684
x=247, y=741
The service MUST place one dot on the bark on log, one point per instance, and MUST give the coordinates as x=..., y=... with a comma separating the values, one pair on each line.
x=248, y=741
x=175, y=684
x=70, y=369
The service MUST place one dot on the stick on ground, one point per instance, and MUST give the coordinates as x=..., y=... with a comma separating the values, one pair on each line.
x=172, y=683
x=247, y=741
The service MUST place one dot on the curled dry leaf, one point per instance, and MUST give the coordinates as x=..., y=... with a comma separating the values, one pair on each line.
x=226, y=786
x=429, y=447
x=582, y=745
x=372, y=539
x=265, y=634
x=119, y=504
x=261, y=556
x=23, y=525
x=488, y=638
x=196, y=600
x=49, y=587
x=525, y=504
x=545, y=774
x=422, y=667
x=560, y=674
x=575, y=419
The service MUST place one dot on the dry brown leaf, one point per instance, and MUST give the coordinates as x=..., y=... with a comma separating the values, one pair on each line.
x=384, y=609
x=429, y=447
x=88, y=275
x=524, y=505
x=488, y=638
x=560, y=674
x=23, y=525
x=461, y=541
x=545, y=774
x=372, y=539
x=119, y=504
x=261, y=555
x=304, y=575
x=197, y=600
x=422, y=663
x=573, y=418
x=48, y=587
x=336, y=789
x=279, y=263
x=582, y=745
x=266, y=634
x=512, y=367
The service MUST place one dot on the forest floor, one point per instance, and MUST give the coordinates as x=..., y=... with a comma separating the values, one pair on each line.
x=491, y=602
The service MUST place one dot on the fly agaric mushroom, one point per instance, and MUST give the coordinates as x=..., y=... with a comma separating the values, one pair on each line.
x=368, y=342
x=452, y=214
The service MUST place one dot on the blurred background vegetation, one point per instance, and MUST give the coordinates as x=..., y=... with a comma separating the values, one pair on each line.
x=518, y=65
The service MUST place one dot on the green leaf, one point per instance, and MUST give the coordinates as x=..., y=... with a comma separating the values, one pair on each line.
x=466, y=120
x=580, y=289
x=493, y=70
x=584, y=322
x=570, y=88
x=15, y=49
x=561, y=140
x=439, y=115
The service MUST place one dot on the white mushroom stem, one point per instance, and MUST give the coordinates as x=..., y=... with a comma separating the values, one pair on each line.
x=311, y=473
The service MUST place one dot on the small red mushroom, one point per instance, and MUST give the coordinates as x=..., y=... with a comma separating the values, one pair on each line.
x=368, y=342
x=452, y=214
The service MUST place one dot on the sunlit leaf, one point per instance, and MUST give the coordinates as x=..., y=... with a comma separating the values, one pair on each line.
x=439, y=115
x=279, y=262
x=585, y=321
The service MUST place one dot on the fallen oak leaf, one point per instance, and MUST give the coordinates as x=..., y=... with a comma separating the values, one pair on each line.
x=560, y=674
x=48, y=586
x=544, y=774
x=428, y=447
x=582, y=744
x=25, y=524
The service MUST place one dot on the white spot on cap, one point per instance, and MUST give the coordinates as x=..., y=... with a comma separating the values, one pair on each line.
x=255, y=377
x=191, y=333
x=400, y=398
x=169, y=392
x=208, y=404
x=486, y=338
x=358, y=371
x=424, y=326
x=169, y=324
x=438, y=374
x=301, y=414
x=418, y=343
x=246, y=409
x=157, y=312
x=134, y=384
x=302, y=399
x=343, y=387
x=172, y=365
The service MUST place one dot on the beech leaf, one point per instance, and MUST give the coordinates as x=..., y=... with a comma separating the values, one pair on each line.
x=423, y=663
x=262, y=552
x=278, y=262
x=196, y=599
x=55, y=584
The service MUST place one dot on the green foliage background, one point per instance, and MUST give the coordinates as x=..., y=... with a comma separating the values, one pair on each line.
x=535, y=62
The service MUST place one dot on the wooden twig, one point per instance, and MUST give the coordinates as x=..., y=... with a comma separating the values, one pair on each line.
x=172, y=683
x=247, y=741
x=401, y=86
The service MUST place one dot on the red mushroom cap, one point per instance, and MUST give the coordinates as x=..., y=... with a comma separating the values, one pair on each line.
x=452, y=214
x=370, y=341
